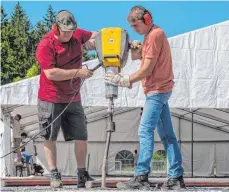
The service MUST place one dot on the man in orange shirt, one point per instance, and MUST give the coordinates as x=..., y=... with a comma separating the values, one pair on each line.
x=156, y=75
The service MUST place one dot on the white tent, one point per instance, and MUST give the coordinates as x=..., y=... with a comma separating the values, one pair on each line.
x=200, y=60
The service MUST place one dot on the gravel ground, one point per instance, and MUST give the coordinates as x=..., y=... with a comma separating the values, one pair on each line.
x=74, y=188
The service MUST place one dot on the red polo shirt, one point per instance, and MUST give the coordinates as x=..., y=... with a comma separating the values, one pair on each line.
x=50, y=54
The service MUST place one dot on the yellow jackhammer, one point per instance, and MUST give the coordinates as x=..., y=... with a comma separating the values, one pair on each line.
x=112, y=46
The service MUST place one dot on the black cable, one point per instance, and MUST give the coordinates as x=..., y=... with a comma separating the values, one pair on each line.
x=76, y=93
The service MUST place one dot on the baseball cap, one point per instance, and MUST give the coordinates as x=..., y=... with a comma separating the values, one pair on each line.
x=66, y=21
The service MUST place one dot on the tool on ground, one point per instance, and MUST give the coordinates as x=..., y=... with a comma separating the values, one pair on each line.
x=112, y=46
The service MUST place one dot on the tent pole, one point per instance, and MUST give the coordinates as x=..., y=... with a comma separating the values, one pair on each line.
x=192, y=143
x=179, y=131
x=6, y=162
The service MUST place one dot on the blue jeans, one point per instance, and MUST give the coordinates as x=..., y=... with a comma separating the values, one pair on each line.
x=27, y=156
x=156, y=113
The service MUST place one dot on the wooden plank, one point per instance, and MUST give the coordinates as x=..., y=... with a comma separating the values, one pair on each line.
x=111, y=183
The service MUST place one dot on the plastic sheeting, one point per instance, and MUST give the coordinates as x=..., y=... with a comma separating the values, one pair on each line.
x=222, y=159
x=200, y=63
x=210, y=156
x=203, y=159
x=5, y=146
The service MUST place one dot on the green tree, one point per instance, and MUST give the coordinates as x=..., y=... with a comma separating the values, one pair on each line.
x=159, y=155
x=33, y=71
x=31, y=48
x=49, y=19
x=40, y=31
x=4, y=48
x=17, y=44
x=4, y=19
x=86, y=56
x=6, y=67
x=16, y=79
x=93, y=56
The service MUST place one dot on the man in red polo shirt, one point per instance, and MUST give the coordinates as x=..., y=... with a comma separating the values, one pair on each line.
x=59, y=54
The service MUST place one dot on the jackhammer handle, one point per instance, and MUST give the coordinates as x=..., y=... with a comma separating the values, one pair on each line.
x=96, y=67
x=111, y=56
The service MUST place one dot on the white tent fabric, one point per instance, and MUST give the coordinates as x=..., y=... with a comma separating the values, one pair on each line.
x=209, y=151
x=200, y=63
x=210, y=133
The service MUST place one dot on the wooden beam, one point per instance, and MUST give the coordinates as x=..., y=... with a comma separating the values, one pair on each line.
x=111, y=183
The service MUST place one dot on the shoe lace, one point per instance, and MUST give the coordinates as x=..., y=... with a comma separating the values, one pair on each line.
x=81, y=175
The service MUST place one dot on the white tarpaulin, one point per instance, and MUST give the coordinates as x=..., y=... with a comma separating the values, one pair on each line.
x=200, y=64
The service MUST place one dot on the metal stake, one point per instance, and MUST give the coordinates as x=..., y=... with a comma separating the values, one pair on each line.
x=110, y=129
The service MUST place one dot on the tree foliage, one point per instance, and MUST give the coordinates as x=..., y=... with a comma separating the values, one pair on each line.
x=19, y=39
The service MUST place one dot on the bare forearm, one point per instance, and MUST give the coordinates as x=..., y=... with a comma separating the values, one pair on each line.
x=57, y=74
x=94, y=33
x=139, y=75
x=90, y=44
x=145, y=71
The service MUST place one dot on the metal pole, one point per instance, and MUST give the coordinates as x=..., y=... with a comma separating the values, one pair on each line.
x=88, y=161
x=215, y=161
x=105, y=160
x=6, y=162
x=110, y=129
x=192, y=144
x=179, y=131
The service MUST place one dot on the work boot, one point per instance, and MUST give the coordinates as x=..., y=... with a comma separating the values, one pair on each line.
x=55, y=181
x=174, y=184
x=138, y=182
x=83, y=177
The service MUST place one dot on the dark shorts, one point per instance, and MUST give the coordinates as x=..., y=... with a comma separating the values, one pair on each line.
x=72, y=121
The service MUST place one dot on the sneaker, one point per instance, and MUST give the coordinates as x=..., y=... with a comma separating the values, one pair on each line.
x=138, y=182
x=174, y=184
x=55, y=181
x=83, y=177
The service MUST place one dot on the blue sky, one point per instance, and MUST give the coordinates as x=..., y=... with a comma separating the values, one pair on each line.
x=174, y=17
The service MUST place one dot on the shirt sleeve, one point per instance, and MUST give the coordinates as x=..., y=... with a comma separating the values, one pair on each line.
x=153, y=46
x=84, y=35
x=45, y=55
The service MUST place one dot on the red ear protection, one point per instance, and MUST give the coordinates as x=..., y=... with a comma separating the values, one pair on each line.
x=147, y=18
x=55, y=30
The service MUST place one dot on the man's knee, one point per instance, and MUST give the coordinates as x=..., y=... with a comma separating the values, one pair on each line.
x=168, y=138
x=49, y=143
x=146, y=130
x=81, y=143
